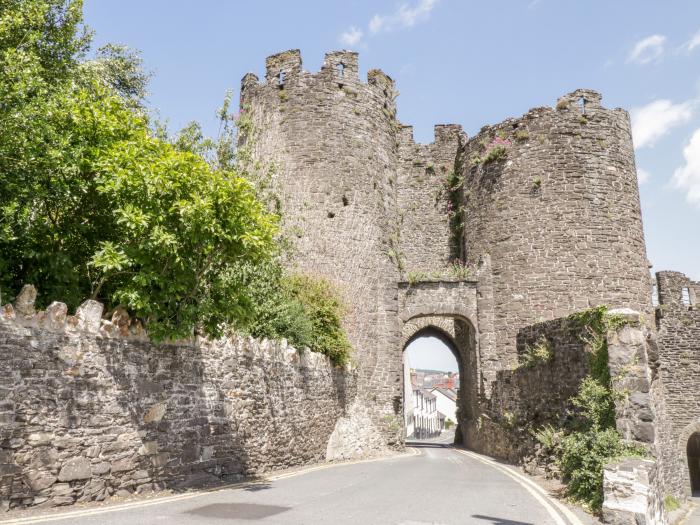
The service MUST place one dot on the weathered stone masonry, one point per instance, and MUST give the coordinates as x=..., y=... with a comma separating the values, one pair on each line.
x=552, y=228
x=91, y=408
x=678, y=369
x=548, y=227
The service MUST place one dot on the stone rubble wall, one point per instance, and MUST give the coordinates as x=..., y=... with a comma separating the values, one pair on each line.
x=678, y=369
x=525, y=398
x=91, y=408
x=632, y=495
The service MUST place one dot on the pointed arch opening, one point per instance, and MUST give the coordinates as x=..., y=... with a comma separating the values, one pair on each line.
x=439, y=391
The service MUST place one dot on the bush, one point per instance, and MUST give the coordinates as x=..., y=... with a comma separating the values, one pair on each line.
x=590, y=439
x=541, y=352
x=304, y=310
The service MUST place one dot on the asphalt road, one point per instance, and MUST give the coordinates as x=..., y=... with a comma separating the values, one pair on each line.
x=437, y=485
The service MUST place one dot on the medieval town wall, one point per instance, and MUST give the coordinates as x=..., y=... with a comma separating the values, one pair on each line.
x=91, y=408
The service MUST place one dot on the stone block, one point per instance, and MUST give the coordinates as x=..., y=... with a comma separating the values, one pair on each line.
x=75, y=468
x=124, y=464
x=100, y=469
x=24, y=303
x=56, y=314
x=631, y=494
x=39, y=480
x=155, y=413
x=40, y=439
x=89, y=316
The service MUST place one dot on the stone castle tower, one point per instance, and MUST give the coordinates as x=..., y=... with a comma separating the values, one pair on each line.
x=544, y=211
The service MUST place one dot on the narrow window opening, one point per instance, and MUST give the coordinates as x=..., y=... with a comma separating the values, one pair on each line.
x=654, y=294
x=341, y=70
x=345, y=201
x=281, y=78
x=685, y=296
x=582, y=103
x=331, y=214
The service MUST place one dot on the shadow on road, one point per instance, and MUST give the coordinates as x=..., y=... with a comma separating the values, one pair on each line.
x=500, y=521
x=427, y=444
x=240, y=511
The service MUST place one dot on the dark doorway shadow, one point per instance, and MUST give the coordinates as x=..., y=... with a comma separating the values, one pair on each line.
x=694, y=463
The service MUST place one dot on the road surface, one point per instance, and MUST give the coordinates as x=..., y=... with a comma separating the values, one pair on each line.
x=436, y=484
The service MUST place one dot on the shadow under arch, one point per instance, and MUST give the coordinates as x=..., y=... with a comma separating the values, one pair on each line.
x=458, y=334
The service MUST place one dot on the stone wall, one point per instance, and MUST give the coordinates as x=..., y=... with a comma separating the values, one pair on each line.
x=91, y=408
x=678, y=403
x=525, y=397
x=426, y=241
x=551, y=228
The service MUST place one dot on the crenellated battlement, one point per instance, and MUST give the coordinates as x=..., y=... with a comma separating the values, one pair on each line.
x=340, y=70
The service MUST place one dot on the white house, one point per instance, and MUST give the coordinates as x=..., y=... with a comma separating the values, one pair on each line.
x=446, y=401
x=426, y=420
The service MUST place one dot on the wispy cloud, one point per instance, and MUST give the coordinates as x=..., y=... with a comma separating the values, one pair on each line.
x=647, y=50
x=656, y=119
x=405, y=16
x=643, y=176
x=687, y=177
x=351, y=37
x=692, y=43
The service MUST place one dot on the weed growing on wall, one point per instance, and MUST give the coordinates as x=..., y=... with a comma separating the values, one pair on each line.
x=540, y=352
x=589, y=440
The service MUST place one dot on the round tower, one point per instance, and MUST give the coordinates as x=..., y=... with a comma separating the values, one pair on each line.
x=552, y=213
x=332, y=139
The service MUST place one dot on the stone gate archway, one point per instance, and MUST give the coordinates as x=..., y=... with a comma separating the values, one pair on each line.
x=446, y=309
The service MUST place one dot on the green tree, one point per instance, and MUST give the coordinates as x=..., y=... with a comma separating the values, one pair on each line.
x=93, y=204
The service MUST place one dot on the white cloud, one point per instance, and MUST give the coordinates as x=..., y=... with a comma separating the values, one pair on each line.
x=643, y=176
x=687, y=177
x=376, y=23
x=693, y=42
x=351, y=37
x=405, y=16
x=653, y=121
x=647, y=49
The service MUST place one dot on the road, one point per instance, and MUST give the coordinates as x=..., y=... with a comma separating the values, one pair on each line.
x=436, y=484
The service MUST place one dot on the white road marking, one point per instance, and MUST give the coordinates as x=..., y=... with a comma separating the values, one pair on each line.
x=533, y=488
x=166, y=499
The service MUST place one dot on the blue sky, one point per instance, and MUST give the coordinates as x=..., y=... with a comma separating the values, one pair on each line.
x=455, y=61
x=432, y=354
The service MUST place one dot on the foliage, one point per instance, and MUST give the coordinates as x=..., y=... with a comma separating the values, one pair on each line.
x=121, y=69
x=93, y=204
x=540, y=352
x=304, y=310
x=671, y=503
x=459, y=269
x=449, y=423
x=589, y=440
x=495, y=153
x=521, y=135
